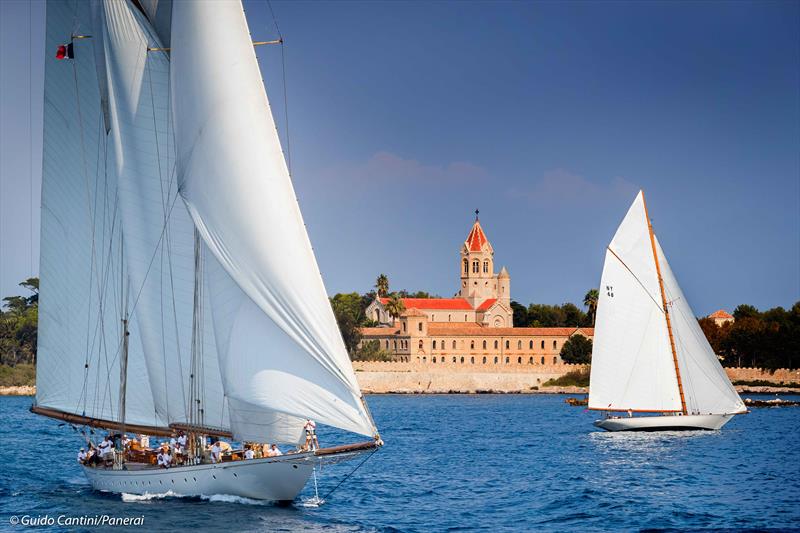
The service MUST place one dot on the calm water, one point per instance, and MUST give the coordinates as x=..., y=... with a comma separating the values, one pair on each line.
x=505, y=463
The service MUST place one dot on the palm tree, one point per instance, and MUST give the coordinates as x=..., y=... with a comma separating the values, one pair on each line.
x=395, y=306
x=382, y=284
x=590, y=301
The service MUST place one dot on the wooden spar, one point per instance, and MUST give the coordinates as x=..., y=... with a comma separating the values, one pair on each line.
x=666, y=309
x=347, y=448
x=634, y=410
x=155, y=431
x=255, y=43
x=203, y=430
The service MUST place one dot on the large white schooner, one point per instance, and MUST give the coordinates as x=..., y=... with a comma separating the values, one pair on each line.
x=650, y=356
x=179, y=289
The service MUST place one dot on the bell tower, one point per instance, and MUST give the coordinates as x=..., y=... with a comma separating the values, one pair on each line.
x=478, y=281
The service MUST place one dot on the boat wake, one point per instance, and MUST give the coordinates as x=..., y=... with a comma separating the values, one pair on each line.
x=219, y=498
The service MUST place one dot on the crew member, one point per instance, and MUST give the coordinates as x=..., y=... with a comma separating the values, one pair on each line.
x=311, y=435
x=82, y=456
x=216, y=452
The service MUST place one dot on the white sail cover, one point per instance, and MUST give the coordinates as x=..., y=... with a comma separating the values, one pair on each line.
x=82, y=277
x=159, y=234
x=282, y=357
x=706, y=386
x=632, y=364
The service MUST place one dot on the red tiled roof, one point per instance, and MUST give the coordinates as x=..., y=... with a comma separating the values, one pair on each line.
x=486, y=304
x=433, y=303
x=474, y=329
x=476, y=238
x=720, y=314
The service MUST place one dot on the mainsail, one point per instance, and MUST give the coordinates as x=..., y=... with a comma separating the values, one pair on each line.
x=144, y=150
x=633, y=367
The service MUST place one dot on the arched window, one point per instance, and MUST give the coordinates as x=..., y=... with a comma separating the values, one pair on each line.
x=475, y=266
x=519, y=345
x=530, y=361
x=462, y=359
x=466, y=266
x=449, y=317
x=484, y=360
x=420, y=344
x=434, y=346
x=419, y=326
x=433, y=317
x=471, y=345
x=495, y=360
x=519, y=360
x=443, y=359
x=530, y=346
x=424, y=359
x=465, y=318
x=555, y=360
x=404, y=327
x=395, y=345
x=454, y=358
x=454, y=346
x=472, y=360
x=506, y=360
x=486, y=267
x=387, y=344
x=508, y=345
x=433, y=359
x=496, y=345
x=484, y=346
x=542, y=345
x=442, y=344
x=542, y=360
x=555, y=344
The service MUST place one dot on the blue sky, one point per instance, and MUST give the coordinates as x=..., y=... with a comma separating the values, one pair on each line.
x=548, y=116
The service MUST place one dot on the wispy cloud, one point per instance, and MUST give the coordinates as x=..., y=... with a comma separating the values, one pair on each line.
x=560, y=188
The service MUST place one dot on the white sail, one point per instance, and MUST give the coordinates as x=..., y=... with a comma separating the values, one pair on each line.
x=632, y=364
x=81, y=269
x=159, y=234
x=281, y=354
x=706, y=386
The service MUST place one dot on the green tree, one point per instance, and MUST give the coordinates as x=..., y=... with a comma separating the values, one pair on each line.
x=745, y=311
x=382, y=285
x=590, y=301
x=371, y=351
x=395, y=306
x=577, y=350
x=573, y=316
x=520, y=316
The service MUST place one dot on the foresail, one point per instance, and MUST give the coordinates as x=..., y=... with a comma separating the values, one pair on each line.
x=82, y=277
x=632, y=365
x=706, y=385
x=287, y=355
x=159, y=234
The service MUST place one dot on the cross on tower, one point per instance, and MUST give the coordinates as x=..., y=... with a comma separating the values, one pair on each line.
x=476, y=214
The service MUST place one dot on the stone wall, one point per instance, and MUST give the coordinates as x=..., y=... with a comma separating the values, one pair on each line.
x=386, y=377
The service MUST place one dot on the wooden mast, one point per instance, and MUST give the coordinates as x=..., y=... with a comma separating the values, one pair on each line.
x=665, y=307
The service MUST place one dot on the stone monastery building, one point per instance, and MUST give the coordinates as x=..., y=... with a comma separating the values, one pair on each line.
x=475, y=327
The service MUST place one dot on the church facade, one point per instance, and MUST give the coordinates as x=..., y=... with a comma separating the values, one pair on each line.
x=473, y=327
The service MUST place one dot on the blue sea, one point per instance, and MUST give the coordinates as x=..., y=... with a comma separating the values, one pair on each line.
x=461, y=462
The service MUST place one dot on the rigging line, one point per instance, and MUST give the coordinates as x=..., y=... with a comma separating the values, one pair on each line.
x=636, y=278
x=350, y=474
x=30, y=122
x=285, y=94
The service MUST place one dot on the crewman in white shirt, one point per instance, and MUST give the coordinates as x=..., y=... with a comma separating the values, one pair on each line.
x=164, y=459
x=182, y=439
x=249, y=453
x=274, y=451
x=216, y=452
x=144, y=441
x=82, y=456
x=311, y=435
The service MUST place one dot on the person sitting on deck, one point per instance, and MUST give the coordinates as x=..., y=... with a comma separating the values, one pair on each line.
x=82, y=456
x=182, y=439
x=311, y=435
x=164, y=458
x=216, y=452
x=274, y=451
x=249, y=453
x=106, y=449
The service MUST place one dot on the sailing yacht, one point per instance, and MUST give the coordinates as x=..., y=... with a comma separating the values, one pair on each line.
x=651, y=361
x=179, y=289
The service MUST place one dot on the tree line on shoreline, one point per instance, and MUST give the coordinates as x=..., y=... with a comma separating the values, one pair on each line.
x=760, y=339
